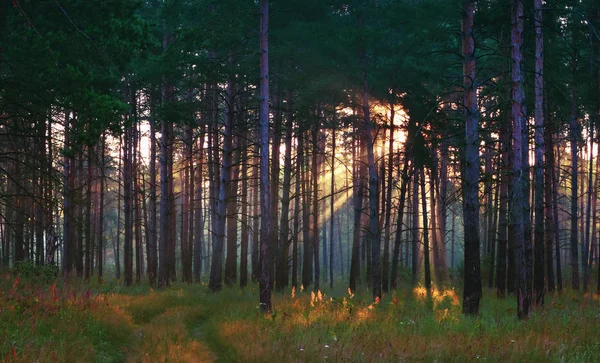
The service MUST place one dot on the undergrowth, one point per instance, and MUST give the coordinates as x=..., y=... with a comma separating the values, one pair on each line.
x=87, y=322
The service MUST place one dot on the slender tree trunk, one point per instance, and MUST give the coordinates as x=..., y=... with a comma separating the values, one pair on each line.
x=404, y=184
x=265, y=230
x=68, y=225
x=426, y=251
x=228, y=194
x=501, y=265
x=274, y=247
x=307, y=245
x=118, y=234
x=297, y=201
x=315, y=207
x=516, y=226
x=127, y=206
x=137, y=219
x=539, y=158
x=151, y=230
x=550, y=222
x=472, y=279
x=586, y=248
x=256, y=216
x=332, y=206
x=284, y=231
x=358, y=191
x=574, y=136
x=245, y=227
x=88, y=214
x=388, y=207
x=415, y=250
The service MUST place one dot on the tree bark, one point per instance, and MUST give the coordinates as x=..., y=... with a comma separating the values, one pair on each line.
x=516, y=225
x=472, y=278
x=265, y=230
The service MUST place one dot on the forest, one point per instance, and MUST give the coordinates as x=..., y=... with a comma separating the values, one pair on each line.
x=299, y=180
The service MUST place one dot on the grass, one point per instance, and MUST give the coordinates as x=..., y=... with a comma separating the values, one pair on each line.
x=81, y=322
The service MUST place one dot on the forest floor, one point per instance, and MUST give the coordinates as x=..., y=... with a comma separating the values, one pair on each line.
x=81, y=322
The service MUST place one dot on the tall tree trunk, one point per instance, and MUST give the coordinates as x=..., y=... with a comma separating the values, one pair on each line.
x=388, y=207
x=501, y=265
x=307, y=245
x=404, y=184
x=332, y=205
x=550, y=222
x=128, y=206
x=198, y=212
x=228, y=194
x=88, y=214
x=516, y=227
x=472, y=279
x=245, y=227
x=274, y=248
x=538, y=272
x=68, y=252
x=265, y=229
x=586, y=248
x=118, y=234
x=297, y=201
x=284, y=231
x=358, y=191
x=100, y=230
x=574, y=136
x=166, y=240
x=151, y=230
x=426, y=251
x=256, y=215
x=315, y=206
x=415, y=248
x=137, y=218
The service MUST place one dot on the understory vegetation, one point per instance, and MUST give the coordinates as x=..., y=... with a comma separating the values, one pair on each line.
x=87, y=322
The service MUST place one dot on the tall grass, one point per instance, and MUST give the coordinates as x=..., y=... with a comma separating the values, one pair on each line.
x=86, y=322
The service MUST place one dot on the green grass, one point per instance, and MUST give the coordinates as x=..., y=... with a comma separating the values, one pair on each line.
x=82, y=322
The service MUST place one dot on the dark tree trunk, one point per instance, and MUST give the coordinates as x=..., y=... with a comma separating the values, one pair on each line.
x=358, y=191
x=574, y=136
x=307, y=245
x=274, y=247
x=265, y=229
x=538, y=273
x=88, y=214
x=587, y=241
x=151, y=230
x=550, y=223
x=385, y=277
x=332, y=206
x=100, y=230
x=230, y=187
x=501, y=268
x=415, y=248
x=426, y=251
x=68, y=251
x=404, y=183
x=315, y=206
x=284, y=231
x=516, y=226
x=472, y=279
x=245, y=227
x=198, y=212
x=137, y=219
x=128, y=206
x=118, y=234
x=297, y=201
